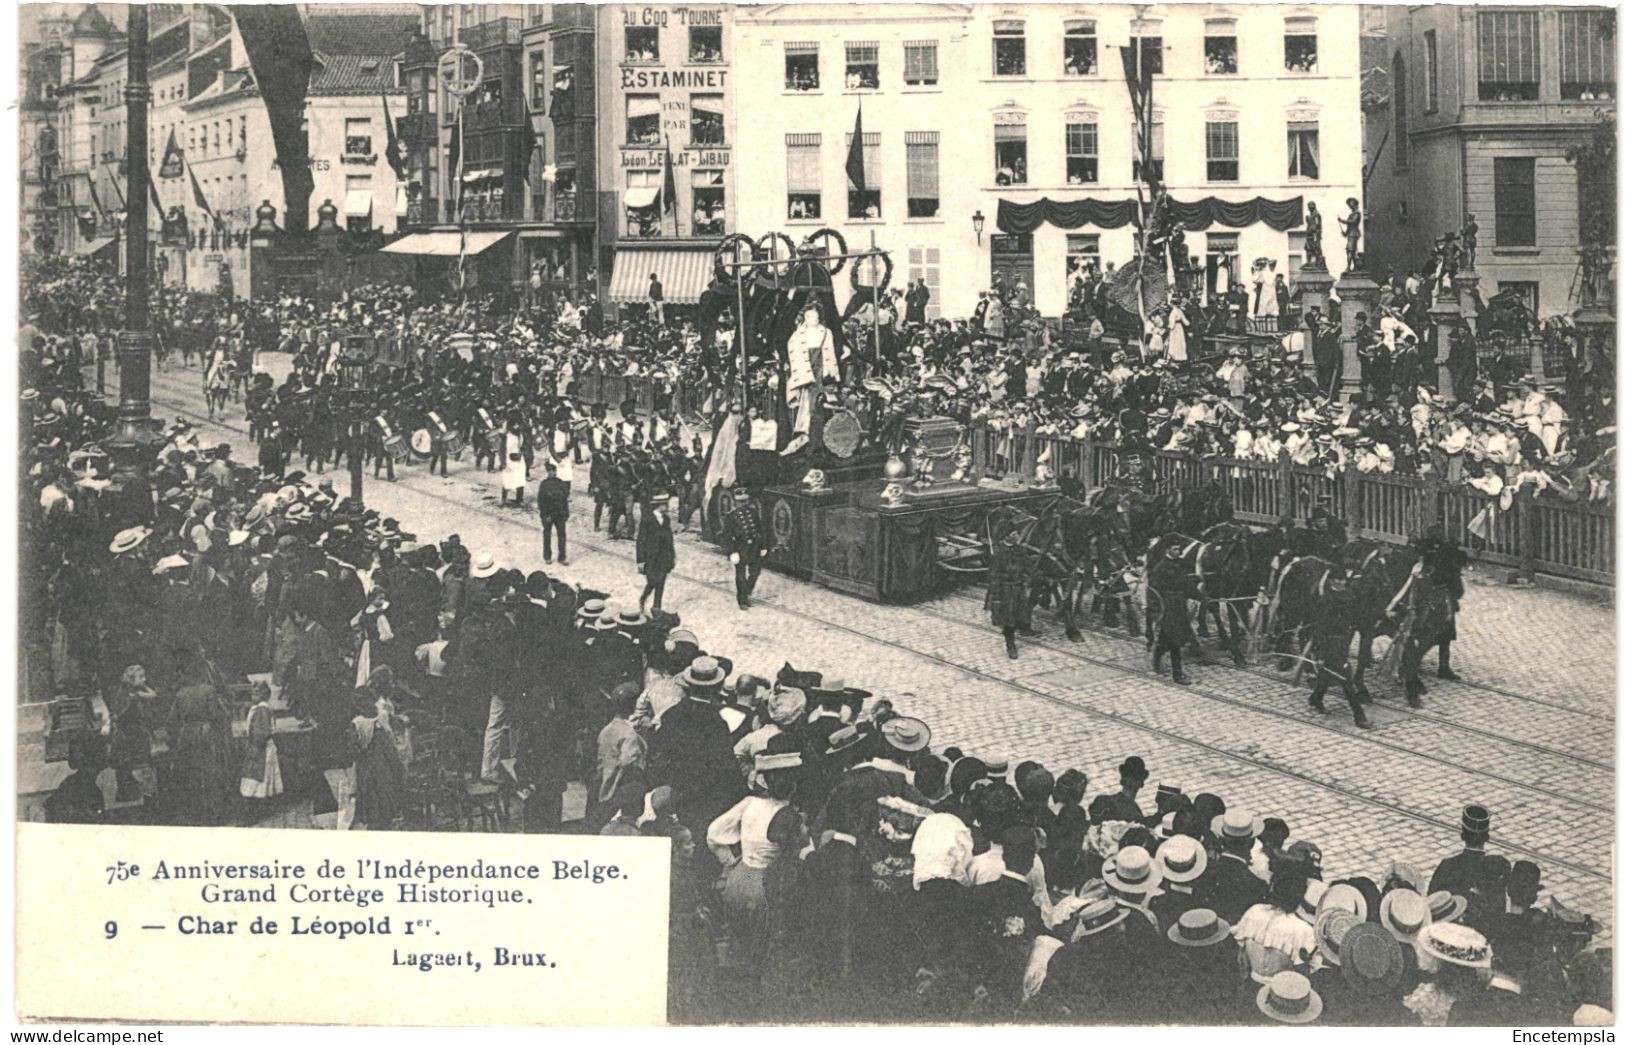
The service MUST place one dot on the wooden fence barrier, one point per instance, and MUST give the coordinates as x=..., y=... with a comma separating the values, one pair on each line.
x=1534, y=534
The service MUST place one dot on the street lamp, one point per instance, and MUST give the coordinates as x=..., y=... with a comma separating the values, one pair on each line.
x=977, y=221
x=355, y=358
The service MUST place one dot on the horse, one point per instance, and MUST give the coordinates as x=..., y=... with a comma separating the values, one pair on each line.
x=1376, y=575
x=1230, y=564
x=1068, y=540
x=1291, y=596
x=1429, y=620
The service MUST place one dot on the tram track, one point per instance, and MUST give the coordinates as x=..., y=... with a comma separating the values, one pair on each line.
x=462, y=505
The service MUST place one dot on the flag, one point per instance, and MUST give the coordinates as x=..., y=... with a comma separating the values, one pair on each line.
x=118, y=189
x=454, y=163
x=854, y=155
x=152, y=195
x=280, y=57
x=392, y=143
x=669, y=188
x=527, y=142
x=95, y=198
x=198, y=197
x=173, y=164
x=1139, y=93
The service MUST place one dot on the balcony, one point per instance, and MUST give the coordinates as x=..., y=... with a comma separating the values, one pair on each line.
x=495, y=33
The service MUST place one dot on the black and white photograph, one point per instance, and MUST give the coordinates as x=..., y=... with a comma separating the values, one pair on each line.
x=1041, y=514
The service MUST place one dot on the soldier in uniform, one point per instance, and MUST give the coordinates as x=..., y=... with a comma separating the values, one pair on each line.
x=1168, y=581
x=1007, y=593
x=381, y=431
x=487, y=442
x=1459, y=873
x=746, y=542
x=439, y=434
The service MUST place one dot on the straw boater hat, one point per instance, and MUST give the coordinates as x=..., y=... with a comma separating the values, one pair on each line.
x=1373, y=962
x=1404, y=913
x=1344, y=896
x=1455, y=944
x=704, y=673
x=1132, y=871
x=630, y=618
x=843, y=738
x=1199, y=927
x=1097, y=917
x=484, y=565
x=1445, y=906
x=906, y=734
x=1236, y=823
x=1181, y=859
x=1288, y=998
x=1330, y=928
x=592, y=609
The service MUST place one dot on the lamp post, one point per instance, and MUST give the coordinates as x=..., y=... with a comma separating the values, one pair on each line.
x=978, y=220
x=354, y=360
x=135, y=434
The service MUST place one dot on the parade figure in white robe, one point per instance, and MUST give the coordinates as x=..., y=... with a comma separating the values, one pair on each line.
x=811, y=353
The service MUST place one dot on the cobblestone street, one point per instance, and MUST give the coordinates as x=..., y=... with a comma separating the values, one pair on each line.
x=1529, y=732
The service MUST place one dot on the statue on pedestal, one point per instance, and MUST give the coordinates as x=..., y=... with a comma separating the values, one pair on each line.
x=1314, y=253
x=1351, y=234
x=1469, y=241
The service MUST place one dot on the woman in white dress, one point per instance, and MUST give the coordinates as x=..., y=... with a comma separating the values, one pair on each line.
x=514, y=472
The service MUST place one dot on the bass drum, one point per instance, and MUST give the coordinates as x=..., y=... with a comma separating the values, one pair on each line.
x=842, y=433
x=422, y=444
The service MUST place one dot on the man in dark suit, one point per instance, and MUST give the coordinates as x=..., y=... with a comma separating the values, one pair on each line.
x=746, y=542
x=1458, y=873
x=553, y=502
x=691, y=752
x=657, y=300
x=916, y=300
x=1231, y=886
x=1125, y=804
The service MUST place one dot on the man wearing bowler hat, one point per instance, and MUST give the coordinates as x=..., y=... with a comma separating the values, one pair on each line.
x=1457, y=873
x=1125, y=804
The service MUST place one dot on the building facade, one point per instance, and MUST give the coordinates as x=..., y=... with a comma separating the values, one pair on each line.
x=1030, y=104
x=666, y=156
x=1482, y=109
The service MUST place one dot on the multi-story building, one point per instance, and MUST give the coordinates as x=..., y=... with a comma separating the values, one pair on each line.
x=39, y=152
x=87, y=68
x=666, y=151
x=498, y=171
x=1482, y=109
x=805, y=72
x=1031, y=103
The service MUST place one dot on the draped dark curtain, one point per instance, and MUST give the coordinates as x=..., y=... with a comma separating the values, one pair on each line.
x=1195, y=215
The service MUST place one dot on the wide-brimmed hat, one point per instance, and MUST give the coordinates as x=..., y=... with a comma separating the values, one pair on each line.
x=906, y=734
x=1456, y=944
x=1097, y=917
x=1343, y=896
x=128, y=540
x=843, y=738
x=1445, y=906
x=1199, y=927
x=1373, y=961
x=1236, y=823
x=592, y=609
x=1181, y=859
x=630, y=618
x=1131, y=870
x=767, y=763
x=169, y=562
x=484, y=565
x=1330, y=928
x=785, y=706
x=703, y=673
x=1404, y=913
x=299, y=511
x=1288, y=998
x=236, y=537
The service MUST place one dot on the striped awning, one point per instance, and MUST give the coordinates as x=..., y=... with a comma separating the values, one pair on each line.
x=684, y=274
x=444, y=244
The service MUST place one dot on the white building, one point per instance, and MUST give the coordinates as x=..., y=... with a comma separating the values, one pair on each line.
x=1025, y=103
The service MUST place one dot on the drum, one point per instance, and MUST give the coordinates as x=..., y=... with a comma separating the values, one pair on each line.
x=454, y=445
x=422, y=443
x=395, y=446
x=842, y=433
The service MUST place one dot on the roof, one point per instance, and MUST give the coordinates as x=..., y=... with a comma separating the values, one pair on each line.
x=353, y=74
x=1375, y=79
x=370, y=34
x=91, y=22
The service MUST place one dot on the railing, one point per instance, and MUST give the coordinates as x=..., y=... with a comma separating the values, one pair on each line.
x=1536, y=535
x=494, y=33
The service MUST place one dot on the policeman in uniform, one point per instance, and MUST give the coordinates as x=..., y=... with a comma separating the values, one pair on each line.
x=746, y=543
x=1460, y=873
x=1168, y=581
x=1445, y=559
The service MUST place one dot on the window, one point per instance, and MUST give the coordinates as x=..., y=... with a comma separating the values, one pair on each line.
x=925, y=265
x=643, y=119
x=1586, y=55
x=923, y=194
x=1155, y=174
x=1146, y=49
x=217, y=138
x=358, y=136
x=1402, y=125
x=920, y=63
x=865, y=203
x=242, y=131
x=1303, y=150
x=358, y=202
x=231, y=134
x=1082, y=153
x=538, y=82
x=1223, y=152
x=709, y=214
x=803, y=176
x=643, y=44
x=643, y=218
x=705, y=120
x=1302, y=46
x=1010, y=153
x=862, y=66
x=1082, y=253
x=1223, y=269
x=1514, y=201
x=1508, y=56
x=1009, y=48
x=801, y=67
x=705, y=43
x=1297, y=244
x=1080, y=54
x=1430, y=71
x=1219, y=47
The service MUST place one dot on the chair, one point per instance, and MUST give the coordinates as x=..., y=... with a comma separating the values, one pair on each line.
x=423, y=775
x=461, y=784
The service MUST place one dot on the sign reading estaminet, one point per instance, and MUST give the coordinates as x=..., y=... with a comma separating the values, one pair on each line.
x=364, y=928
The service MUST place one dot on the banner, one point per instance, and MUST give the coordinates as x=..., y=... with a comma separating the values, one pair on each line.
x=279, y=53
x=174, y=162
x=1196, y=215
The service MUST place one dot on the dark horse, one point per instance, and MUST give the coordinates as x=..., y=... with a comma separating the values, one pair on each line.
x=1078, y=549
